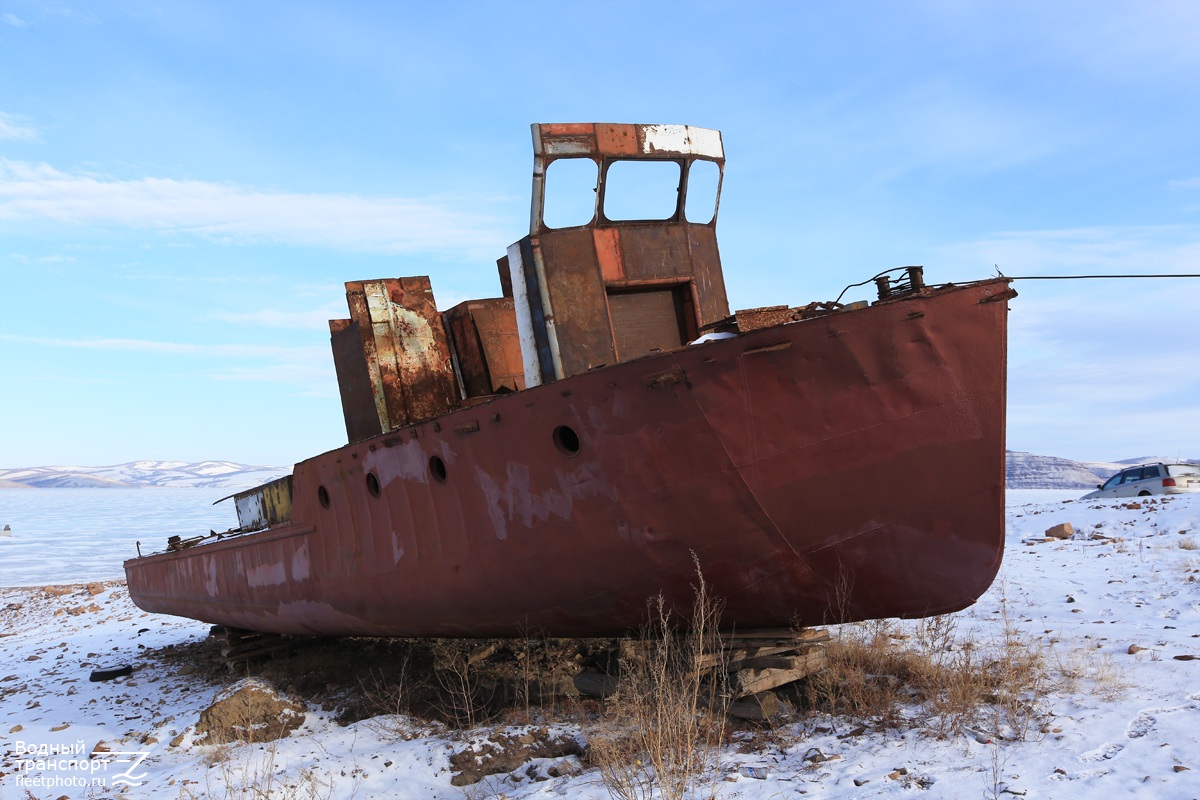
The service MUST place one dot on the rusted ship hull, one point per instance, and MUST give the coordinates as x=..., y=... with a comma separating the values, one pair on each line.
x=839, y=468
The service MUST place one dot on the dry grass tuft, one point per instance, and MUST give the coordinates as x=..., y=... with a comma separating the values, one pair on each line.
x=935, y=677
x=660, y=734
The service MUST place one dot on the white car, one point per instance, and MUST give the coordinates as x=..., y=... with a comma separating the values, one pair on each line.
x=1147, y=479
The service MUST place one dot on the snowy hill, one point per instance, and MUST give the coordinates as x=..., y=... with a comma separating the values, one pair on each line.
x=171, y=474
x=1025, y=471
x=1031, y=471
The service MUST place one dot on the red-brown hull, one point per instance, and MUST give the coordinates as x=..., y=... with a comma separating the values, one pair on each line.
x=841, y=468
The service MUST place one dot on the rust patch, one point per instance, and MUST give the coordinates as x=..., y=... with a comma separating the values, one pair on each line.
x=664, y=380
x=608, y=253
x=617, y=140
x=1007, y=294
x=767, y=348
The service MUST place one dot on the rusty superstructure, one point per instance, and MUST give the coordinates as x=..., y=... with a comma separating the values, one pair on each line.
x=550, y=458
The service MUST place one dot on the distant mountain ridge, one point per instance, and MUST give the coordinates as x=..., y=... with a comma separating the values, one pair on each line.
x=1024, y=471
x=143, y=474
x=1032, y=471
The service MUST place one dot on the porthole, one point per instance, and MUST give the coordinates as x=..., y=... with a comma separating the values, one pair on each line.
x=566, y=440
x=437, y=468
x=323, y=497
x=372, y=484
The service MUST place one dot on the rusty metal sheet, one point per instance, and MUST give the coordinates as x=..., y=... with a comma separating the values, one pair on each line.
x=706, y=273
x=496, y=325
x=626, y=140
x=265, y=506
x=354, y=380
x=422, y=354
x=505, y=273
x=750, y=319
x=356, y=300
x=617, y=140
x=483, y=335
x=406, y=357
x=387, y=352
x=656, y=252
x=585, y=338
x=608, y=253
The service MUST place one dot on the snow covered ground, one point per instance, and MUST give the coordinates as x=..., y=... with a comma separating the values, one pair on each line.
x=1121, y=724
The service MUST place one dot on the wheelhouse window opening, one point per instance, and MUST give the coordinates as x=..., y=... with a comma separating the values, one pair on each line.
x=570, y=192
x=703, y=189
x=641, y=190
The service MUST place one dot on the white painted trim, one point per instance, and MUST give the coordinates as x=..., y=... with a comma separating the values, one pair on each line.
x=529, y=356
x=682, y=139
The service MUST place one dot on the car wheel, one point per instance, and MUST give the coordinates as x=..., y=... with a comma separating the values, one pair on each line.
x=1143, y=493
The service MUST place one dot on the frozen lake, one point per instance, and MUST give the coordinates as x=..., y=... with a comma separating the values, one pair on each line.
x=77, y=535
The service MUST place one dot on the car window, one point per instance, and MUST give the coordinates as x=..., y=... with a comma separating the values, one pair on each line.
x=1151, y=472
x=1111, y=482
x=1182, y=469
x=1131, y=475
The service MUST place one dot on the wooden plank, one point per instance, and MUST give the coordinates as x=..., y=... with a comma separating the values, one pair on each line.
x=751, y=681
x=772, y=662
x=773, y=633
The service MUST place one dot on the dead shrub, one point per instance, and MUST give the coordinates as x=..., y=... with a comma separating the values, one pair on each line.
x=464, y=699
x=660, y=733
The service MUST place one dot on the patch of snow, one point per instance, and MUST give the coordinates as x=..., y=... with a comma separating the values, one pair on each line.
x=1086, y=600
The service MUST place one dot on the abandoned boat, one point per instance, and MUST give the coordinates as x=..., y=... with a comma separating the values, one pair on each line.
x=547, y=460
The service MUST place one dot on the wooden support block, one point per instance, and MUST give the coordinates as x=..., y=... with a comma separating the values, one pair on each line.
x=754, y=680
x=482, y=653
x=758, y=707
x=763, y=633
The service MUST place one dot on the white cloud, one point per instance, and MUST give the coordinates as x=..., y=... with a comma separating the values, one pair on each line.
x=309, y=369
x=14, y=20
x=167, y=348
x=238, y=214
x=1116, y=249
x=40, y=261
x=1125, y=41
x=14, y=127
x=1099, y=368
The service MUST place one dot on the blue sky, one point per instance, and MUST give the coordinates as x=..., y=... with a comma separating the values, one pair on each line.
x=185, y=186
